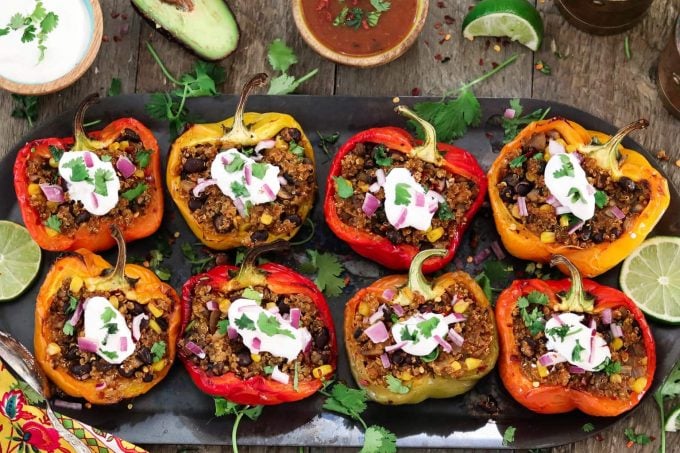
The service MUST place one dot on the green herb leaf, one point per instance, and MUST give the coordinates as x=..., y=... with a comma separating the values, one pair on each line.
x=426, y=327
x=381, y=5
x=259, y=170
x=55, y=152
x=567, y=168
x=326, y=140
x=346, y=401
x=543, y=67
x=576, y=352
x=143, y=157
x=329, y=270
x=450, y=119
x=372, y=18
x=135, y=191
x=17, y=21
x=406, y=335
x=518, y=161
x=25, y=107
x=112, y=355
x=280, y=56
x=296, y=149
x=380, y=156
x=53, y=222
x=31, y=395
x=250, y=293
x=286, y=84
x=444, y=211
x=239, y=189
x=78, y=170
x=235, y=165
x=101, y=177
x=245, y=322
x=640, y=439
x=68, y=328
x=343, y=187
x=609, y=367
x=537, y=297
x=222, y=326
x=108, y=314
x=115, y=88
x=558, y=332
x=601, y=199
x=588, y=428
x=72, y=305
x=575, y=195
x=158, y=350
x=432, y=356
x=379, y=440
x=341, y=17
x=509, y=435
x=402, y=196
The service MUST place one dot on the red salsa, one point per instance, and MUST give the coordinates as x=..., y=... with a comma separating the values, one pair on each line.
x=357, y=27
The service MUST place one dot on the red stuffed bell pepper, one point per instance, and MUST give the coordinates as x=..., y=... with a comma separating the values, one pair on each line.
x=389, y=198
x=573, y=345
x=263, y=337
x=70, y=190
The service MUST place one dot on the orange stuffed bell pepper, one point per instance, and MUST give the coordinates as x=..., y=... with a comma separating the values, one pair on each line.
x=408, y=339
x=248, y=179
x=560, y=189
x=105, y=334
x=71, y=189
x=573, y=345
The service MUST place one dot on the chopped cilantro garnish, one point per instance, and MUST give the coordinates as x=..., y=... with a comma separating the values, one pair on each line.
x=408, y=336
x=245, y=322
x=635, y=438
x=509, y=435
x=239, y=189
x=518, y=161
x=601, y=199
x=53, y=223
x=328, y=269
x=575, y=195
x=108, y=314
x=271, y=326
x=432, y=356
x=588, y=427
x=343, y=187
x=55, y=152
x=395, y=385
x=259, y=170
x=143, y=157
x=68, y=328
x=380, y=156
x=296, y=149
x=560, y=332
x=112, y=355
x=222, y=326
x=402, y=196
x=250, y=293
x=576, y=352
x=158, y=350
x=567, y=168
x=444, y=212
x=609, y=367
x=101, y=177
x=135, y=191
x=78, y=170
x=235, y=165
x=426, y=327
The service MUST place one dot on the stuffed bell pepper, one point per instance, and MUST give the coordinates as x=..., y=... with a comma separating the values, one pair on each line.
x=105, y=334
x=409, y=339
x=389, y=198
x=246, y=180
x=558, y=188
x=71, y=189
x=263, y=337
x=573, y=345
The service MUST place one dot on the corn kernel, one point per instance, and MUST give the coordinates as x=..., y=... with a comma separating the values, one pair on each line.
x=406, y=376
x=363, y=186
x=224, y=305
x=547, y=237
x=456, y=366
x=53, y=162
x=564, y=221
x=322, y=371
x=615, y=379
x=113, y=300
x=124, y=144
x=639, y=384
x=154, y=325
x=616, y=344
x=53, y=349
x=76, y=285
x=155, y=311
x=266, y=219
x=643, y=361
x=256, y=357
x=434, y=235
x=548, y=209
x=460, y=306
x=34, y=189
x=364, y=309
x=139, y=173
x=270, y=305
x=114, y=146
x=158, y=366
x=515, y=211
x=542, y=371
x=472, y=364
x=51, y=233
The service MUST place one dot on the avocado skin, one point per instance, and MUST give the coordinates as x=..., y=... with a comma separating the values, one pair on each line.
x=168, y=34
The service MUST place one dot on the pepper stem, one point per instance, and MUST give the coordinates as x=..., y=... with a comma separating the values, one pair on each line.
x=118, y=274
x=575, y=300
x=239, y=133
x=607, y=155
x=428, y=150
x=249, y=275
x=82, y=141
x=416, y=280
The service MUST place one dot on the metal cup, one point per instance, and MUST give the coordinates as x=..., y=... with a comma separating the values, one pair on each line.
x=669, y=72
x=603, y=17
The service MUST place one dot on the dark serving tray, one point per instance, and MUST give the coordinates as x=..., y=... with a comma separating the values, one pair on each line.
x=175, y=412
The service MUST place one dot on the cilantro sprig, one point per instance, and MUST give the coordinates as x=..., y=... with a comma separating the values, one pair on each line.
x=635, y=438
x=281, y=58
x=198, y=262
x=25, y=107
x=328, y=270
x=509, y=435
x=669, y=389
x=226, y=407
x=35, y=26
x=512, y=126
x=533, y=319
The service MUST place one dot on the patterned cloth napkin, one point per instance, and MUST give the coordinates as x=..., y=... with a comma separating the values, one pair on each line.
x=25, y=428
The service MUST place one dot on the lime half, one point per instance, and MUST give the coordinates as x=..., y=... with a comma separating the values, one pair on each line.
x=514, y=19
x=673, y=421
x=19, y=260
x=651, y=277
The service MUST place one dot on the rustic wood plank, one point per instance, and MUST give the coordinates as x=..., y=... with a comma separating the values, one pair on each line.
x=257, y=31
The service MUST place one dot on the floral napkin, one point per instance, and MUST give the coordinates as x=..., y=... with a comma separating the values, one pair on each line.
x=25, y=428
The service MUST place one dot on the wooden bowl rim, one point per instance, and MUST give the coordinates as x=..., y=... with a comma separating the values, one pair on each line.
x=74, y=74
x=370, y=61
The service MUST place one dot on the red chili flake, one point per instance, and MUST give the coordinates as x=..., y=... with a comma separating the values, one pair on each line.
x=364, y=24
x=427, y=43
x=442, y=41
x=117, y=38
x=124, y=16
x=105, y=38
x=487, y=44
x=415, y=91
x=494, y=65
x=449, y=20
x=446, y=60
x=481, y=62
x=437, y=25
x=322, y=4
x=599, y=437
x=441, y=4
x=438, y=57
x=114, y=15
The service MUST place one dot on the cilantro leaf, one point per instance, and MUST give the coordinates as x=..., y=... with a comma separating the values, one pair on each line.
x=101, y=177
x=115, y=88
x=143, y=157
x=537, y=297
x=112, y=355
x=432, y=356
x=588, y=428
x=395, y=385
x=55, y=152
x=17, y=21
x=108, y=314
x=372, y=18
x=518, y=161
x=222, y=326
x=511, y=126
x=329, y=270
x=380, y=156
x=235, y=165
x=341, y=17
x=343, y=187
x=226, y=407
x=239, y=189
x=250, y=293
x=245, y=322
x=640, y=439
x=68, y=328
x=450, y=119
x=25, y=107
x=53, y=222
x=259, y=170
x=78, y=170
x=135, y=191
x=280, y=56
x=558, y=332
x=426, y=327
x=402, y=196
x=296, y=149
x=347, y=401
x=31, y=395
x=609, y=367
x=575, y=195
x=271, y=326
x=158, y=350
x=444, y=212
x=381, y=5
x=576, y=352
x=72, y=305
x=567, y=168
x=601, y=199
x=379, y=440
x=509, y=435
x=325, y=140
x=406, y=335
x=286, y=84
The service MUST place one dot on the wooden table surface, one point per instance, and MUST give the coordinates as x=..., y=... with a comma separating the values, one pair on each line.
x=596, y=77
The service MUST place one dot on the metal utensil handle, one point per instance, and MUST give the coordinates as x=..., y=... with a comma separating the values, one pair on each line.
x=67, y=435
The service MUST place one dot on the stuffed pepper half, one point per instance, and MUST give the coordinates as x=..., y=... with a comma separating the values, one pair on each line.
x=408, y=339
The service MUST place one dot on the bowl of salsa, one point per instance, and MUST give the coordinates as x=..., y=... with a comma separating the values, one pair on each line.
x=364, y=33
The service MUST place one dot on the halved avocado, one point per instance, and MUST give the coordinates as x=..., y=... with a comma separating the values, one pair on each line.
x=206, y=27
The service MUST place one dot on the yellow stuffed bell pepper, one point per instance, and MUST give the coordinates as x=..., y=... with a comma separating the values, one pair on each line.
x=558, y=188
x=248, y=179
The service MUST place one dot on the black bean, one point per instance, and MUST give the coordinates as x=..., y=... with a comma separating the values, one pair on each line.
x=194, y=165
x=398, y=357
x=162, y=323
x=394, y=237
x=585, y=233
x=137, y=309
x=103, y=365
x=221, y=223
x=125, y=373
x=357, y=332
x=80, y=370
x=364, y=177
x=129, y=135
x=523, y=188
x=73, y=353
x=627, y=184
x=144, y=355
x=244, y=358
x=259, y=235
x=598, y=237
x=291, y=133
x=426, y=307
x=148, y=377
x=512, y=179
x=289, y=178
x=283, y=307
x=195, y=202
x=293, y=218
x=83, y=217
x=507, y=193
x=321, y=338
x=221, y=259
x=615, y=233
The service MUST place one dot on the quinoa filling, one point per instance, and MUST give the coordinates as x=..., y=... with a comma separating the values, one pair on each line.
x=474, y=330
x=221, y=351
x=67, y=216
x=216, y=212
x=361, y=166
x=522, y=187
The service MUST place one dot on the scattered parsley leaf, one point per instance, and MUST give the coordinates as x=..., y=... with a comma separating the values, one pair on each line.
x=518, y=161
x=53, y=223
x=343, y=187
x=509, y=435
x=72, y=305
x=640, y=439
x=588, y=428
x=259, y=170
x=426, y=327
x=245, y=322
x=380, y=156
x=107, y=315
x=135, y=191
x=601, y=199
x=280, y=56
x=25, y=107
x=68, y=328
x=406, y=335
x=354, y=17
x=567, y=167
x=115, y=88
x=158, y=350
x=328, y=269
x=512, y=126
x=17, y=21
x=576, y=352
x=444, y=211
x=222, y=326
x=101, y=177
x=379, y=440
x=37, y=25
x=402, y=196
x=143, y=157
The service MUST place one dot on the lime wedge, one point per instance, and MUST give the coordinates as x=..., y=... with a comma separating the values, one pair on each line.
x=651, y=277
x=673, y=421
x=19, y=260
x=514, y=19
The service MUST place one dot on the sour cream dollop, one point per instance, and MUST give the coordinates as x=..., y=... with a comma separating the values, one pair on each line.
x=591, y=349
x=240, y=177
x=567, y=182
x=406, y=202
x=419, y=333
x=90, y=180
x=106, y=326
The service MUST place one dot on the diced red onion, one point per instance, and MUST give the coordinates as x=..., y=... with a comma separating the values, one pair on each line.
x=402, y=218
x=202, y=185
x=268, y=190
x=606, y=316
x=388, y=294
x=87, y=157
x=522, y=205
x=617, y=332
x=398, y=310
x=552, y=201
x=482, y=255
x=497, y=250
x=562, y=210
x=308, y=346
x=87, y=344
x=125, y=166
x=248, y=173
x=437, y=196
x=123, y=344
x=256, y=344
x=579, y=158
x=53, y=192
x=616, y=212
x=453, y=318
x=195, y=349
x=590, y=190
x=136, y=326
x=557, y=318
x=295, y=317
x=377, y=332
x=283, y=181
x=385, y=360
x=592, y=348
x=232, y=333
x=378, y=315
x=432, y=207
x=211, y=305
x=445, y=346
x=576, y=369
x=454, y=299
x=264, y=144
x=555, y=148
x=395, y=347
x=551, y=358
x=420, y=199
x=68, y=405
x=576, y=227
x=95, y=200
x=240, y=207
x=374, y=187
x=249, y=307
x=226, y=160
x=280, y=376
x=75, y=317
x=100, y=385
x=257, y=157
x=371, y=204
x=380, y=175
x=593, y=325
x=456, y=337
x=509, y=113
